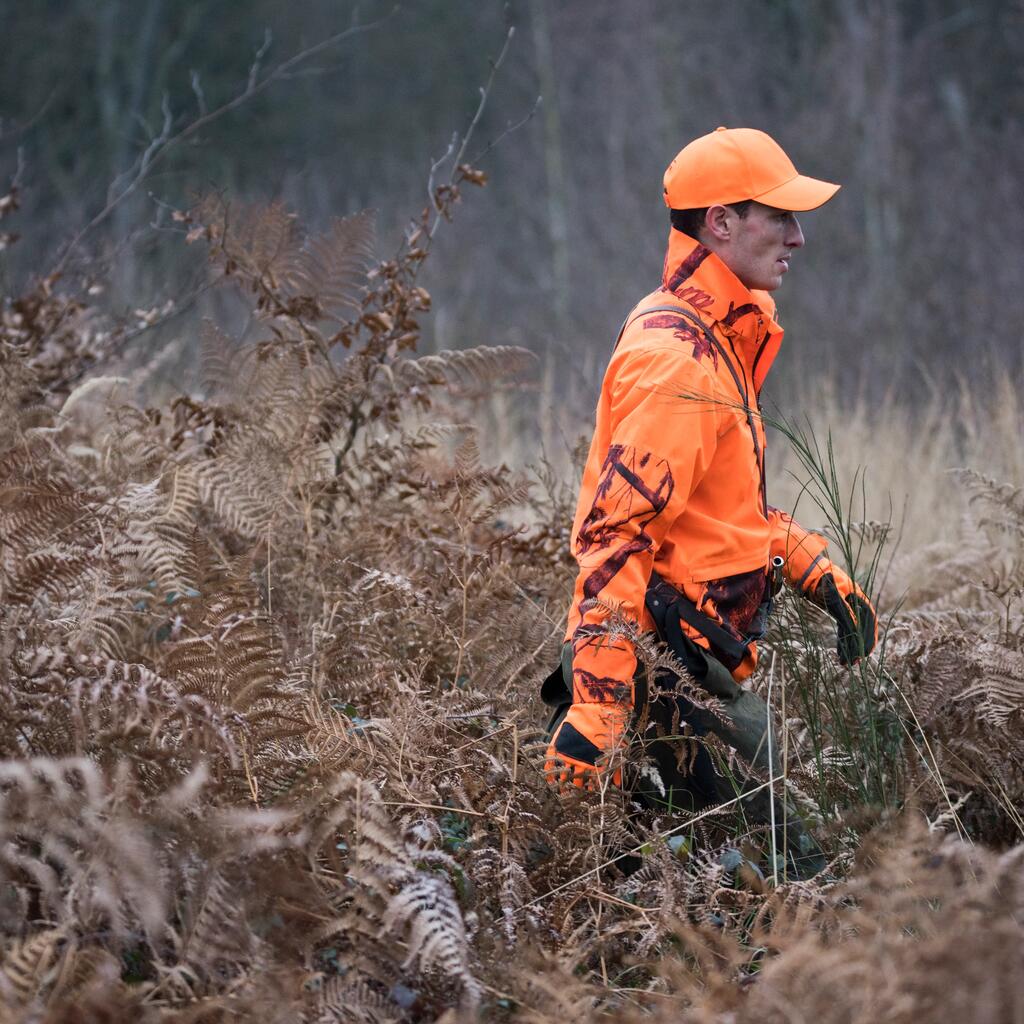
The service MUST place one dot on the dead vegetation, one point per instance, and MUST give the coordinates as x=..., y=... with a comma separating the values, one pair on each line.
x=269, y=736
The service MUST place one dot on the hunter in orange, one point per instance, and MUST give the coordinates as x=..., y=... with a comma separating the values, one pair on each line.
x=672, y=512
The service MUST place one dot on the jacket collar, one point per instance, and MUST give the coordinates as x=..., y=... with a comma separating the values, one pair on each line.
x=696, y=275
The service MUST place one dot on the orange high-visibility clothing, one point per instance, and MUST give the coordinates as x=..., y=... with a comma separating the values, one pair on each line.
x=674, y=481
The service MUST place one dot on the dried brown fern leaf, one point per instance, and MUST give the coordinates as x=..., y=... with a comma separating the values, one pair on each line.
x=41, y=504
x=471, y=367
x=396, y=894
x=426, y=908
x=66, y=834
x=966, y=699
x=274, y=388
x=260, y=241
x=230, y=652
x=999, y=693
x=100, y=997
x=1001, y=503
x=333, y=737
x=31, y=967
x=896, y=937
x=90, y=990
x=348, y=1001
x=160, y=527
x=503, y=896
x=215, y=943
x=547, y=988
x=83, y=703
x=241, y=484
x=390, y=463
x=51, y=578
x=226, y=367
x=332, y=267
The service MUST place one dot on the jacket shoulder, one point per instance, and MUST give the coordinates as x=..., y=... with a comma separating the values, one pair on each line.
x=656, y=325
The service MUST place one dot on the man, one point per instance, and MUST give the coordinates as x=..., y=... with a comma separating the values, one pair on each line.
x=673, y=528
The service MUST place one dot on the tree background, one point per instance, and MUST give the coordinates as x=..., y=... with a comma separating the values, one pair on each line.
x=910, y=281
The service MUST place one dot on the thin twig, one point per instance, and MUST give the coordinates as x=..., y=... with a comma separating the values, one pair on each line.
x=21, y=129
x=509, y=129
x=434, y=807
x=640, y=846
x=254, y=86
x=485, y=91
x=197, y=89
x=935, y=764
x=437, y=164
x=118, y=347
x=771, y=766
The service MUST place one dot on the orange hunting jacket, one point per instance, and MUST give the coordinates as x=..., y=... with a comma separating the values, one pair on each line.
x=674, y=481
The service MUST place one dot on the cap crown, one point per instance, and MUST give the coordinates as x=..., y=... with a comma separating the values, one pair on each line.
x=726, y=166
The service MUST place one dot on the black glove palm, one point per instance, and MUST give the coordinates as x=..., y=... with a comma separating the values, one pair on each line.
x=855, y=619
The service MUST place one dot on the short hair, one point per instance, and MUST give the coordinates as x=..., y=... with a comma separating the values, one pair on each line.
x=691, y=221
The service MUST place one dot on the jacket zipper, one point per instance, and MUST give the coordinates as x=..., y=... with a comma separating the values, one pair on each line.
x=738, y=380
x=757, y=359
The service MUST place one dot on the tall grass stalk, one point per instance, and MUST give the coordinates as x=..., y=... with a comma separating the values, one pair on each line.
x=855, y=733
x=771, y=762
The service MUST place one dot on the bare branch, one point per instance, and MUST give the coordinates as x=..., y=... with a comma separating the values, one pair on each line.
x=485, y=91
x=20, y=169
x=437, y=164
x=254, y=71
x=197, y=88
x=117, y=348
x=255, y=85
x=22, y=128
x=509, y=129
x=139, y=166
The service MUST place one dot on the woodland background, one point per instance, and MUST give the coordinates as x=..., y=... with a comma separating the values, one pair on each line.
x=285, y=491
x=909, y=278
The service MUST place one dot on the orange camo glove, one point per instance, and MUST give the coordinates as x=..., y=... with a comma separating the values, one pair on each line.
x=856, y=621
x=580, y=747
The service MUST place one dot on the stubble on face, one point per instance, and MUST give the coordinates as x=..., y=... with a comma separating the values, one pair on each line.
x=762, y=244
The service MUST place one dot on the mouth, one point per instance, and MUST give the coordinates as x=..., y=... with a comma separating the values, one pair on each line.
x=783, y=262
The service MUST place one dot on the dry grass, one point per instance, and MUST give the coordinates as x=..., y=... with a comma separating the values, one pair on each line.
x=269, y=740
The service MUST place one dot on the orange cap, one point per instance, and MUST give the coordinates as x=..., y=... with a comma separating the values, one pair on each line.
x=732, y=164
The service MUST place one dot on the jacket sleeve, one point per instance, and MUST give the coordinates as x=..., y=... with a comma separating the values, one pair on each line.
x=805, y=556
x=664, y=428
x=808, y=569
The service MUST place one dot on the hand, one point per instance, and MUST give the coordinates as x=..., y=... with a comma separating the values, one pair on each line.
x=579, y=750
x=855, y=618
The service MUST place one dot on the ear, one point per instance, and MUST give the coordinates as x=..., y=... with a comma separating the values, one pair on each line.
x=717, y=223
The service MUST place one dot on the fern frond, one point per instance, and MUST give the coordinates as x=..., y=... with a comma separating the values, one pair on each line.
x=332, y=267
x=30, y=966
x=436, y=935
x=484, y=364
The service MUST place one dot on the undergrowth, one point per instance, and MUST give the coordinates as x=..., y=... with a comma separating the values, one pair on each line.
x=270, y=747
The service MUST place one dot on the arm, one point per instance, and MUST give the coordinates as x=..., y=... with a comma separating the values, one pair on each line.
x=661, y=445
x=808, y=569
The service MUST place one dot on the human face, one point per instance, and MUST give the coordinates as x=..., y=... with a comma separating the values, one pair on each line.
x=757, y=247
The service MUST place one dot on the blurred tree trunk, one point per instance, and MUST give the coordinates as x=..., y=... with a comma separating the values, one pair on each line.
x=872, y=46
x=140, y=73
x=108, y=91
x=554, y=164
x=557, y=196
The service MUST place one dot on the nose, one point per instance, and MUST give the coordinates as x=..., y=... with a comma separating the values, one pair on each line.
x=794, y=233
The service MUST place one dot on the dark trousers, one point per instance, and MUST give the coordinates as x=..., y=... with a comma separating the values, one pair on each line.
x=674, y=771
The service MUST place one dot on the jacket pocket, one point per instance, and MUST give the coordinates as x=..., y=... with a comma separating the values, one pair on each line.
x=738, y=603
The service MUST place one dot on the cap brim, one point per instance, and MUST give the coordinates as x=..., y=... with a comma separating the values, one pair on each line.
x=798, y=194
